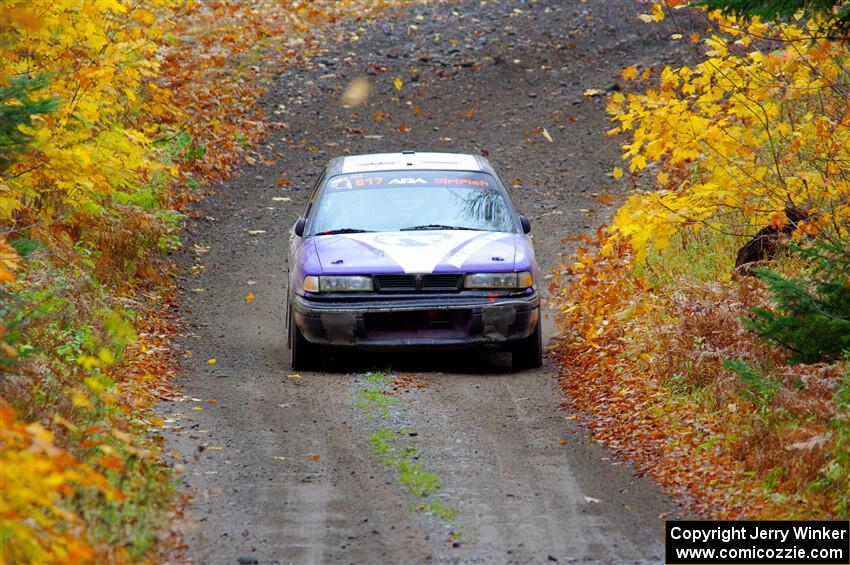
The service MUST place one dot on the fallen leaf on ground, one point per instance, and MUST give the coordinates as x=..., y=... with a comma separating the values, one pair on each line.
x=249, y=298
x=212, y=361
x=315, y=457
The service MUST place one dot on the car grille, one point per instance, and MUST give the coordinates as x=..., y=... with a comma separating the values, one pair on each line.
x=413, y=283
x=441, y=282
x=395, y=282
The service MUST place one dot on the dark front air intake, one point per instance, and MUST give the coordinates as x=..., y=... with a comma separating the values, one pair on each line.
x=411, y=283
x=441, y=282
x=395, y=282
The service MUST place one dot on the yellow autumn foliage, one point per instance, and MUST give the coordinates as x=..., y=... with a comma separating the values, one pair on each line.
x=98, y=57
x=37, y=521
x=740, y=137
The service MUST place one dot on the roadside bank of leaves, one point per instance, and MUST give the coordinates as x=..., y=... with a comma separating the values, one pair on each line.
x=684, y=363
x=646, y=360
x=113, y=115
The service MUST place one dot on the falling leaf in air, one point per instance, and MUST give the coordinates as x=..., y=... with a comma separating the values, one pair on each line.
x=249, y=298
x=357, y=92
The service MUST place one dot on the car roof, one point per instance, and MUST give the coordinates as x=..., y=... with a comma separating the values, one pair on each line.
x=409, y=160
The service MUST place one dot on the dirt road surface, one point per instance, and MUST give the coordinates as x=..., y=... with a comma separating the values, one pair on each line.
x=281, y=469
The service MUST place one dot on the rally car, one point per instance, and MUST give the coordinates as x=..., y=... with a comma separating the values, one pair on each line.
x=412, y=250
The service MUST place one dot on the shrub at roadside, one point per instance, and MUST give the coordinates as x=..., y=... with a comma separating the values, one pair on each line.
x=690, y=369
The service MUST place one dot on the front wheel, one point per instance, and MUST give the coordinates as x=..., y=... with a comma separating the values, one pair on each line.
x=528, y=352
x=304, y=355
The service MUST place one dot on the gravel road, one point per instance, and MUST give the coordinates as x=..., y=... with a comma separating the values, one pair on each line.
x=280, y=468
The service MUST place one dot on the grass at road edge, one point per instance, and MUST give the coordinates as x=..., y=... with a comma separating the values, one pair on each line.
x=398, y=450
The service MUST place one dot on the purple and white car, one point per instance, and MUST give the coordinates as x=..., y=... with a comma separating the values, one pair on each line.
x=412, y=250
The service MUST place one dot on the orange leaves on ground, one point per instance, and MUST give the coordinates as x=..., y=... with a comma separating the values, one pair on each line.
x=629, y=349
x=249, y=298
x=315, y=457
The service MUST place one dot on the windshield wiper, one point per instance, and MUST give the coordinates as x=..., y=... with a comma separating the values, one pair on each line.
x=343, y=230
x=436, y=227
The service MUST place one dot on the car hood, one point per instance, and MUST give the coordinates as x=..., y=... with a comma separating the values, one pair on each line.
x=423, y=252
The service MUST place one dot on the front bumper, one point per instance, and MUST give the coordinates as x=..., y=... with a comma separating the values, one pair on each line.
x=417, y=322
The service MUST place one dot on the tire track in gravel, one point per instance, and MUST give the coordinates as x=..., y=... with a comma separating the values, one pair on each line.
x=523, y=477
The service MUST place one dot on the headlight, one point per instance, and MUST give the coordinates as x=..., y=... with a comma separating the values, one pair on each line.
x=338, y=284
x=498, y=280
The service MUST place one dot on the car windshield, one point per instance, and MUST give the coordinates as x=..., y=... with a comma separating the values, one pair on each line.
x=411, y=200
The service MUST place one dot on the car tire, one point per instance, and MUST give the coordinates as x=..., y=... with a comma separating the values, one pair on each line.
x=528, y=353
x=303, y=354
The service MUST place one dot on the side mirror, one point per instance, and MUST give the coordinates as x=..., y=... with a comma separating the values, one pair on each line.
x=299, y=227
x=525, y=223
